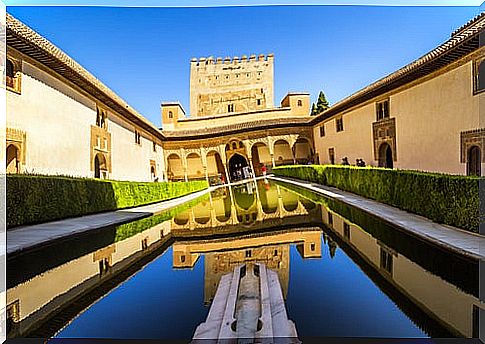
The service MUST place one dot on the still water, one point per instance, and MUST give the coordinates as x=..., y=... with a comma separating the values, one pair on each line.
x=342, y=272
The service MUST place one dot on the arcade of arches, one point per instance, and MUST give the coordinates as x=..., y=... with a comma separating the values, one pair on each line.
x=237, y=159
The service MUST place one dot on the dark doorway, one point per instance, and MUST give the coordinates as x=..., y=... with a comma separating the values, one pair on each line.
x=97, y=171
x=237, y=164
x=474, y=158
x=385, y=156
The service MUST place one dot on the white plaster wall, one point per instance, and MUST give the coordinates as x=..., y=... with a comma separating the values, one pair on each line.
x=429, y=119
x=354, y=142
x=131, y=161
x=56, y=119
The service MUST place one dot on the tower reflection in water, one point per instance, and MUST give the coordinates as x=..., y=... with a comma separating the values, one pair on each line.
x=253, y=222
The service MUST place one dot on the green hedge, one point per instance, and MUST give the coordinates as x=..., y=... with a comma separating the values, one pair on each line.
x=36, y=199
x=448, y=199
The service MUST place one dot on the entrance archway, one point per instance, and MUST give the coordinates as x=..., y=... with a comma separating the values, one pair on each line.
x=474, y=159
x=237, y=164
x=385, y=156
x=99, y=166
x=12, y=159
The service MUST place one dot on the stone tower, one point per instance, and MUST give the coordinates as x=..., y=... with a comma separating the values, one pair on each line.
x=219, y=87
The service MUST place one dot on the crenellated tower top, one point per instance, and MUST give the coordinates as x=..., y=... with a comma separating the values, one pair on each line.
x=230, y=85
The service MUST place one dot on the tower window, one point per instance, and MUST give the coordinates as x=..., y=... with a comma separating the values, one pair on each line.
x=299, y=102
x=170, y=114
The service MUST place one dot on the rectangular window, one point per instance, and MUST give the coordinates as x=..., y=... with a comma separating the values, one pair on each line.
x=347, y=230
x=386, y=261
x=137, y=137
x=339, y=122
x=322, y=130
x=480, y=76
x=154, y=147
x=230, y=108
x=258, y=101
x=330, y=219
x=382, y=110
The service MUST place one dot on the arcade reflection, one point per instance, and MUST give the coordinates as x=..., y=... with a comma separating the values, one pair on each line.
x=435, y=292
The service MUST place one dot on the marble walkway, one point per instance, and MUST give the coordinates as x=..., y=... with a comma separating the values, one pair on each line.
x=28, y=237
x=448, y=237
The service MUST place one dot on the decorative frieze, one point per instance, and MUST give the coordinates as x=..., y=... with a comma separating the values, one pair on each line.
x=469, y=138
x=384, y=131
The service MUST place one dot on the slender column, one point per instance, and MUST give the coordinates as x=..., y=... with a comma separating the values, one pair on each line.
x=272, y=160
x=253, y=172
x=185, y=174
x=227, y=173
x=206, y=174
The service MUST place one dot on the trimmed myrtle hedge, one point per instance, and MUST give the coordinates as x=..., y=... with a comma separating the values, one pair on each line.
x=448, y=199
x=36, y=199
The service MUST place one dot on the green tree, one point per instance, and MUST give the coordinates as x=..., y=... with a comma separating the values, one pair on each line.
x=321, y=105
x=314, y=109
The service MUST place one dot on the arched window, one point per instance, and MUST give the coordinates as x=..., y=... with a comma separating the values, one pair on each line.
x=234, y=145
x=170, y=114
x=299, y=102
x=474, y=158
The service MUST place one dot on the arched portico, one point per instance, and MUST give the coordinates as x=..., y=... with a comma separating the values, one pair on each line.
x=175, y=169
x=237, y=166
x=261, y=156
x=195, y=167
x=283, y=154
x=302, y=151
x=215, y=168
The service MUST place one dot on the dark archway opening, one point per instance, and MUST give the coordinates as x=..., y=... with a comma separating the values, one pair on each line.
x=99, y=166
x=473, y=166
x=12, y=161
x=237, y=164
x=385, y=156
x=97, y=171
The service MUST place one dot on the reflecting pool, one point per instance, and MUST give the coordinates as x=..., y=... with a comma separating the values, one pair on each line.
x=342, y=272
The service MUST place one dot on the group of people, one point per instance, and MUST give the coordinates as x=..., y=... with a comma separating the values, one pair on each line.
x=241, y=172
x=358, y=162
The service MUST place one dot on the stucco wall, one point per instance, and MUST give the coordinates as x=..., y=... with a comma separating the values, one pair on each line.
x=57, y=120
x=429, y=118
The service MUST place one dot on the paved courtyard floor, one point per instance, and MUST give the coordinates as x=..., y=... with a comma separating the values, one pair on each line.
x=451, y=238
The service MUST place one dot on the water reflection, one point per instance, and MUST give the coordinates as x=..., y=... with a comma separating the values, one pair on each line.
x=361, y=269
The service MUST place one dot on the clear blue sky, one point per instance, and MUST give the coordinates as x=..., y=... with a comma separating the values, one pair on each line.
x=143, y=54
